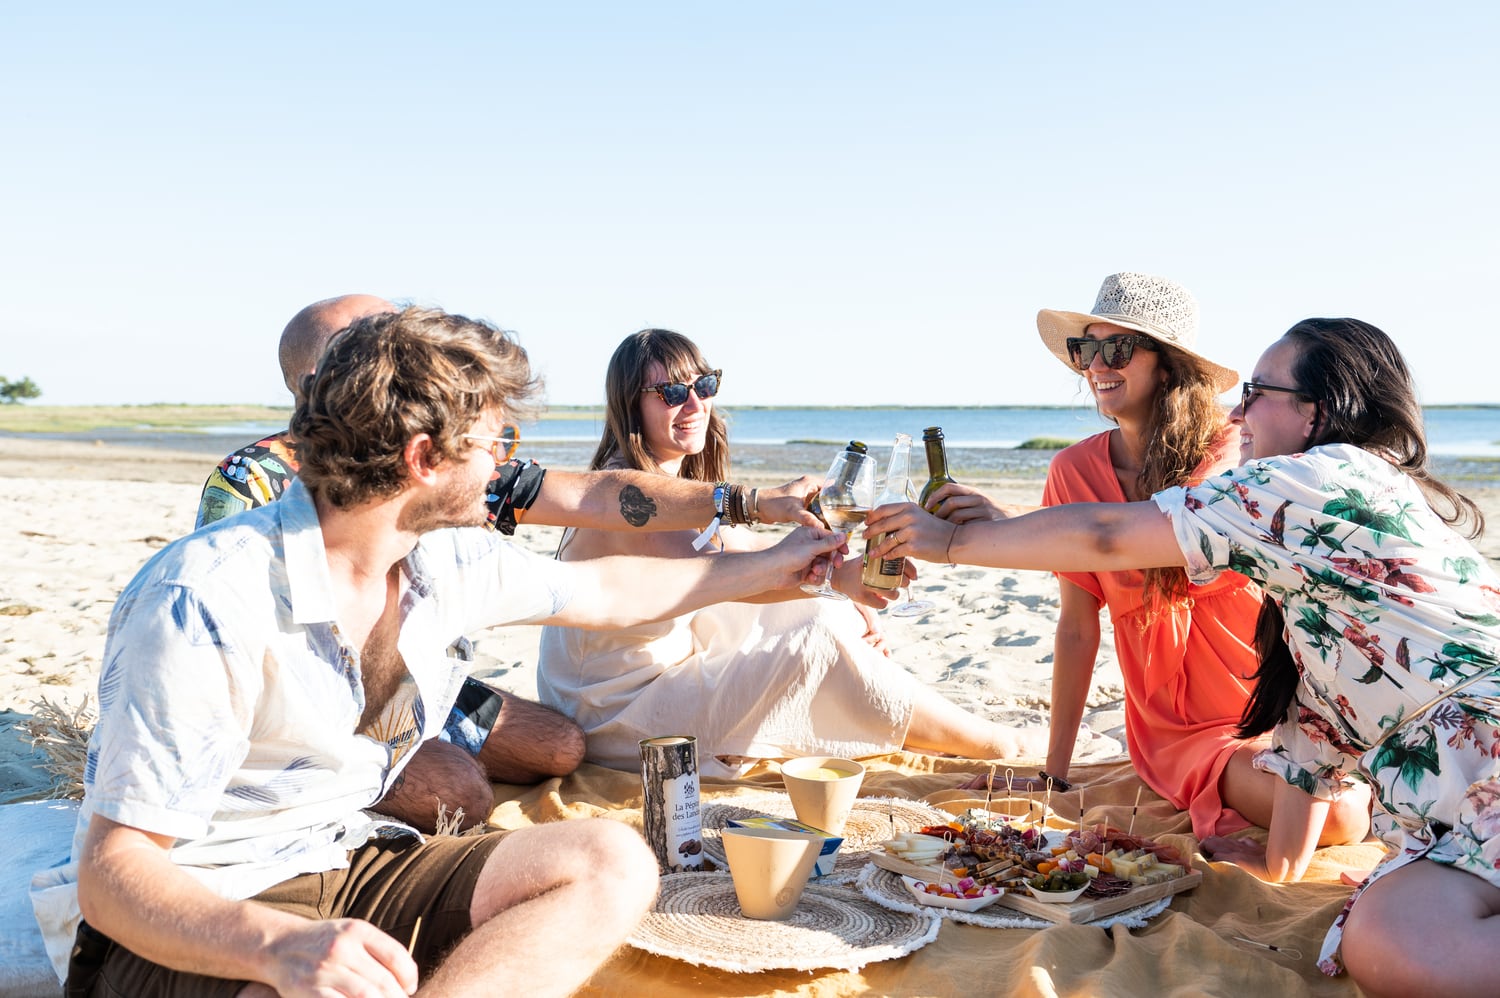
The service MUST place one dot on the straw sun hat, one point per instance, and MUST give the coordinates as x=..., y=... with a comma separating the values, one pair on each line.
x=1162, y=309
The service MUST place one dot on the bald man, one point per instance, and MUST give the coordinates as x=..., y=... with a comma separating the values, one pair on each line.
x=515, y=740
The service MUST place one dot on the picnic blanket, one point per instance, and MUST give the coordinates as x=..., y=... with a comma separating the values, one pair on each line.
x=1187, y=949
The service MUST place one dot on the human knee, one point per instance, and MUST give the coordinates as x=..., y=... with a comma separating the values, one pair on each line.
x=1348, y=819
x=619, y=858
x=441, y=779
x=567, y=747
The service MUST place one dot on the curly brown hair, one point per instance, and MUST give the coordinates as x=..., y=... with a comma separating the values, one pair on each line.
x=1186, y=427
x=391, y=376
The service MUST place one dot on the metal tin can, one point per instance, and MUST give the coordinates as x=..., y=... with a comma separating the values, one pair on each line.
x=669, y=781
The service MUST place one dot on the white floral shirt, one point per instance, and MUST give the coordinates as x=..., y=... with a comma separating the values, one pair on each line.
x=229, y=701
x=1387, y=610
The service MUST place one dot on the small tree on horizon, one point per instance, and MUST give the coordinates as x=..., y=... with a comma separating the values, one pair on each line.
x=12, y=392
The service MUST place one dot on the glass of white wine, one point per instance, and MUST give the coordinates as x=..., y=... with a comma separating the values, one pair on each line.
x=844, y=502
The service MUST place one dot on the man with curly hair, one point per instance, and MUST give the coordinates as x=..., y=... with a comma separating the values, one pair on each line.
x=266, y=679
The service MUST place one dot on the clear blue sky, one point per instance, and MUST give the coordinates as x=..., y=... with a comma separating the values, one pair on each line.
x=841, y=202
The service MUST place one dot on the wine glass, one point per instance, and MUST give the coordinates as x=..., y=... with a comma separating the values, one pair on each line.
x=844, y=502
x=909, y=607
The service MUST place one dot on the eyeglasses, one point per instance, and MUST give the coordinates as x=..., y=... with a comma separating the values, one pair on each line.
x=1252, y=390
x=503, y=447
x=675, y=393
x=1117, y=350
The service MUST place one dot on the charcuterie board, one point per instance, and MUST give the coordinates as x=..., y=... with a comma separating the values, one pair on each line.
x=1085, y=909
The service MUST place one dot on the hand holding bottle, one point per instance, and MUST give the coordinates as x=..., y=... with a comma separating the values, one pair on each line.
x=910, y=532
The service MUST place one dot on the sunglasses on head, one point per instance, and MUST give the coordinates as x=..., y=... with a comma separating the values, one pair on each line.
x=676, y=393
x=1117, y=350
x=503, y=447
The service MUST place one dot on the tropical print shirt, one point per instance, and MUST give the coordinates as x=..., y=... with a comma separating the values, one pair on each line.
x=259, y=473
x=230, y=704
x=1389, y=614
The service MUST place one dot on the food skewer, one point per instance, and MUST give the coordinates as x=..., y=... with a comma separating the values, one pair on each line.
x=989, y=789
x=1133, y=808
x=1295, y=954
x=411, y=947
x=1048, y=805
x=1080, y=809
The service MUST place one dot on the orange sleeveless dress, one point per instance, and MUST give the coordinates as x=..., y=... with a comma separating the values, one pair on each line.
x=1188, y=671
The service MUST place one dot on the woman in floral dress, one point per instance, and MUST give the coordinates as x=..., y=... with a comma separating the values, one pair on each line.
x=1379, y=641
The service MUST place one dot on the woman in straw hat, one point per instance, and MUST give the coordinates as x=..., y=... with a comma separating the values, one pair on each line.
x=786, y=677
x=1185, y=651
x=1379, y=639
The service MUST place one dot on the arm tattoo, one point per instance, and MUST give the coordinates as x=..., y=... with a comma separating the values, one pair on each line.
x=636, y=507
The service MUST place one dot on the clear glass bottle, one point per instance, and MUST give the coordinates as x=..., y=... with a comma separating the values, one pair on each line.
x=887, y=573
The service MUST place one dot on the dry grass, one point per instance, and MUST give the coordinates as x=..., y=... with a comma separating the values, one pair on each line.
x=63, y=735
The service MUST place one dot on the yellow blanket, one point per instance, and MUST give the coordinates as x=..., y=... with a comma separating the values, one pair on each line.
x=1187, y=949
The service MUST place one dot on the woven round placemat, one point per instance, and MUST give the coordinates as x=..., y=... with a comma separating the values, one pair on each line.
x=886, y=889
x=870, y=823
x=697, y=920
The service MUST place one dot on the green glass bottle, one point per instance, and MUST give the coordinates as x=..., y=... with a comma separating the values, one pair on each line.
x=937, y=463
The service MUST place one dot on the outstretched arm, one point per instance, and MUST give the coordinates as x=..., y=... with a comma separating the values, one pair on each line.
x=125, y=871
x=642, y=500
x=1079, y=537
x=620, y=591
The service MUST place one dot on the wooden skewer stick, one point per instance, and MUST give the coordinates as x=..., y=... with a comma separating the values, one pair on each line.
x=411, y=947
x=1080, y=809
x=1135, y=807
x=1048, y=805
x=989, y=790
x=1295, y=954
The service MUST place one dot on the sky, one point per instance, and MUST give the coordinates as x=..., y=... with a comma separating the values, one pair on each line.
x=843, y=203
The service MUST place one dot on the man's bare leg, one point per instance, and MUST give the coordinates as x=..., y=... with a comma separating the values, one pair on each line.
x=439, y=775
x=530, y=743
x=550, y=906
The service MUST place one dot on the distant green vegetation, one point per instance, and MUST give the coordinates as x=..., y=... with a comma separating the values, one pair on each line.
x=78, y=418
x=819, y=443
x=1046, y=443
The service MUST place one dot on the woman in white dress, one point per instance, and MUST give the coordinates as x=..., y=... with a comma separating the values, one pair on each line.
x=775, y=678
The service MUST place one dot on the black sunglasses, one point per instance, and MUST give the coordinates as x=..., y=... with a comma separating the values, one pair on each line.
x=1117, y=350
x=675, y=392
x=1252, y=390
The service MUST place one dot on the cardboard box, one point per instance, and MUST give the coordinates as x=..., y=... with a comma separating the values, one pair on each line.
x=831, y=843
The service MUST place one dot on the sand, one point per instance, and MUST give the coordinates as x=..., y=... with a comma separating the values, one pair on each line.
x=77, y=520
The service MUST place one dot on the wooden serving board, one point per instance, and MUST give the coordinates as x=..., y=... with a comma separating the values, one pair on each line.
x=894, y=863
x=1090, y=909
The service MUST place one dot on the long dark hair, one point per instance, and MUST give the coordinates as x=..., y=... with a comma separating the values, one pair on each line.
x=624, y=381
x=1365, y=397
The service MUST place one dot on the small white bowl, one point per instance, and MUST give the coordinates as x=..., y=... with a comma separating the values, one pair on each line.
x=938, y=901
x=1057, y=897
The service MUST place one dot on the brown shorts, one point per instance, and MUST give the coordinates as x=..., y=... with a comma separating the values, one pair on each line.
x=389, y=883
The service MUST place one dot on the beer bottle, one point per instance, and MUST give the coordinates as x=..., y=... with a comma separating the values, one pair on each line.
x=937, y=463
x=886, y=573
